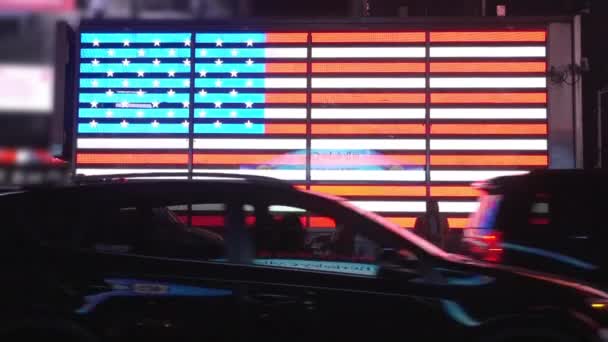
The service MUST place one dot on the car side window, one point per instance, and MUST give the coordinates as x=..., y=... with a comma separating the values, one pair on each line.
x=292, y=236
x=161, y=231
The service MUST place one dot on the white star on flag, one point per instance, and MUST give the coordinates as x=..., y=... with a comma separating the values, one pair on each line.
x=171, y=73
x=234, y=73
x=125, y=83
x=93, y=123
x=233, y=114
x=95, y=62
x=187, y=62
x=217, y=124
x=234, y=93
x=170, y=92
x=156, y=83
x=203, y=73
x=155, y=104
x=187, y=42
x=202, y=92
x=218, y=83
x=218, y=104
x=109, y=92
x=170, y=113
x=172, y=52
x=140, y=92
x=155, y=124
x=111, y=52
x=140, y=114
x=249, y=62
x=202, y=113
x=250, y=42
x=218, y=42
x=249, y=104
x=140, y=73
x=94, y=104
x=124, y=124
x=156, y=62
x=95, y=83
x=96, y=42
x=186, y=83
x=203, y=53
x=157, y=42
x=126, y=62
x=218, y=62
x=110, y=73
x=124, y=104
x=126, y=42
x=186, y=104
x=141, y=52
x=185, y=123
x=248, y=124
x=234, y=52
x=109, y=113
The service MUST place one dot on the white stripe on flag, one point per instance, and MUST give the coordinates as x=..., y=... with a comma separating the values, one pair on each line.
x=130, y=143
x=250, y=144
x=279, y=174
x=372, y=82
x=458, y=207
x=489, y=144
x=368, y=144
x=285, y=82
x=488, y=113
x=488, y=82
x=285, y=113
x=470, y=176
x=367, y=113
x=367, y=175
x=368, y=52
x=392, y=206
x=489, y=51
x=286, y=53
x=96, y=172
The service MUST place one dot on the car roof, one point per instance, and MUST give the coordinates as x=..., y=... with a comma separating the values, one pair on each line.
x=546, y=180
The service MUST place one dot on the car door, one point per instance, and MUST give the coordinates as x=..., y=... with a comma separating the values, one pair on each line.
x=147, y=275
x=330, y=287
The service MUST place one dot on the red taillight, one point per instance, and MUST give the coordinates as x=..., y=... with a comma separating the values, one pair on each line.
x=488, y=246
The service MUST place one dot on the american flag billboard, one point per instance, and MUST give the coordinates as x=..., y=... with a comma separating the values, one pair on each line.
x=387, y=119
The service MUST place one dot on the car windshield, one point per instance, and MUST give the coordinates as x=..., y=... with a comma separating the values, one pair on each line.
x=404, y=233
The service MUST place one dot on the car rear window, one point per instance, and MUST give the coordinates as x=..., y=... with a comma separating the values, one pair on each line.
x=485, y=216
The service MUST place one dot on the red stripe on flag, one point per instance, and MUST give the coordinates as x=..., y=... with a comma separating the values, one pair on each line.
x=371, y=190
x=490, y=37
x=404, y=222
x=454, y=191
x=494, y=129
x=458, y=222
x=239, y=159
x=497, y=160
x=350, y=129
x=344, y=67
x=299, y=98
x=487, y=67
x=540, y=98
x=376, y=160
x=368, y=37
x=276, y=128
x=131, y=158
x=367, y=98
x=283, y=37
x=277, y=68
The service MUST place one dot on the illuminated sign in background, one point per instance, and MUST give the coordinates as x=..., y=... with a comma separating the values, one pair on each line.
x=386, y=119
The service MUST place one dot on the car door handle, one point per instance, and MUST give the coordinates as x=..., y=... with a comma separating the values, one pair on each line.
x=579, y=237
x=271, y=299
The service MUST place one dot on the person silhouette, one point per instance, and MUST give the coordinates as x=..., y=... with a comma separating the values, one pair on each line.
x=432, y=226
